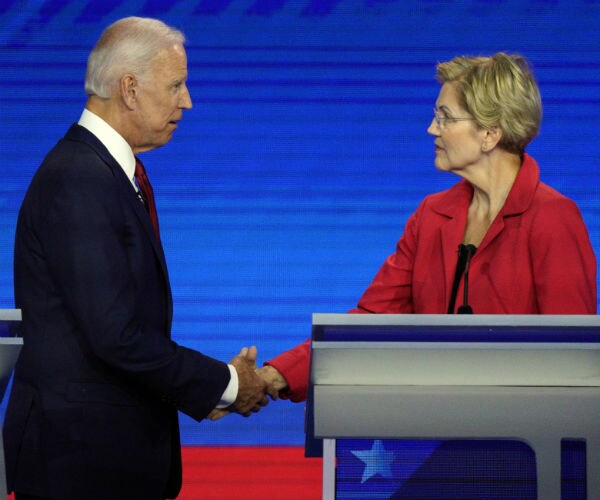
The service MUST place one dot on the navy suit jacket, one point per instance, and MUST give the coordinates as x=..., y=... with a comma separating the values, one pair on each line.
x=93, y=408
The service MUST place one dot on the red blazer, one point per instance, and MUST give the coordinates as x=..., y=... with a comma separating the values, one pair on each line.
x=536, y=258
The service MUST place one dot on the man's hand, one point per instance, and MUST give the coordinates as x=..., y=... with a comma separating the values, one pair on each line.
x=274, y=380
x=252, y=389
x=217, y=414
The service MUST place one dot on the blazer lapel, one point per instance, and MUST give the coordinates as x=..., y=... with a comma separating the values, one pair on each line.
x=452, y=207
x=449, y=232
x=518, y=200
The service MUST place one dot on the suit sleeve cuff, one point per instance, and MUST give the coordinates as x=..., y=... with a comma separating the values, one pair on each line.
x=231, y=391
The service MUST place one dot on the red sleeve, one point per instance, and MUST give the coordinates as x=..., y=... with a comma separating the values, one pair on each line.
x=293, y=365
x=564, y=264
x=390, y=292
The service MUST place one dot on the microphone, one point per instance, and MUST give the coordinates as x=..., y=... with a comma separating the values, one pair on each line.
x=466, y=308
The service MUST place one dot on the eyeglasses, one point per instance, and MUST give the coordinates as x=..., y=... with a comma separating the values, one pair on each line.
x=442, y=121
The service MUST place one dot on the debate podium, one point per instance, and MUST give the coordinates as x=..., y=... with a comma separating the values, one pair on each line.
x=530, y=378
x=10, y=346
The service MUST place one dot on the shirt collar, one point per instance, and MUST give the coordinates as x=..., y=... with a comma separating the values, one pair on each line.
x=112, y=140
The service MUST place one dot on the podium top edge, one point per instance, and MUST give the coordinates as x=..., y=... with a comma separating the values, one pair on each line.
x=516, y=320
x=10, y=315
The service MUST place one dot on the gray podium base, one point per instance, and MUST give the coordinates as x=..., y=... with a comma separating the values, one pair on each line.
x=3, y=494
x=538, y=416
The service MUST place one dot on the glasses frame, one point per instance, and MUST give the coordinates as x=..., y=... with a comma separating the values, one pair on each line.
x=442, y=121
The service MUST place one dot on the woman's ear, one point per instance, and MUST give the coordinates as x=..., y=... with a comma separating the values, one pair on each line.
x=491, y=138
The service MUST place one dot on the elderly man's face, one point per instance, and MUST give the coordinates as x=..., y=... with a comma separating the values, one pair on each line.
x=162, y=97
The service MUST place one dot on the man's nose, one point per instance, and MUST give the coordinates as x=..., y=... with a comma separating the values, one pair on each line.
x=186, y=99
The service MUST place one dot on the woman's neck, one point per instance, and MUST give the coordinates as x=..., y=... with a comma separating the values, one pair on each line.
x=491, y=185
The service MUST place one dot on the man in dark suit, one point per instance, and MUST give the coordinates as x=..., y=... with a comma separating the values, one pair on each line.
x=93, y=408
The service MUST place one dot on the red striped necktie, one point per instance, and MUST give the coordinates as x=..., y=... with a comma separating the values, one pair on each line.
x=148, y=194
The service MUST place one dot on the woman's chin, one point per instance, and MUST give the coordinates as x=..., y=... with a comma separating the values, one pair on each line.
x=441, y=164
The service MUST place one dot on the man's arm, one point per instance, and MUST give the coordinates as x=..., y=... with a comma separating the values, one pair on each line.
x=106, y=275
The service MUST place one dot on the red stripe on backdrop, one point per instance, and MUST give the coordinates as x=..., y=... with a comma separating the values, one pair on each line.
x=249, y=473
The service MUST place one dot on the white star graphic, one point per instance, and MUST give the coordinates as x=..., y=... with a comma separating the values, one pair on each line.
x=377, y=460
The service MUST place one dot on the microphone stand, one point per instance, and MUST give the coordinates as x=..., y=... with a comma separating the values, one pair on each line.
x=466, y=308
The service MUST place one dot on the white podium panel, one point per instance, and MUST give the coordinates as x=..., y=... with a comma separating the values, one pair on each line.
x=488, y=377
x=9, y=353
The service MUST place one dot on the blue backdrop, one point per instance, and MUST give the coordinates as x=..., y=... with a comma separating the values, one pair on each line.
x=290, y=180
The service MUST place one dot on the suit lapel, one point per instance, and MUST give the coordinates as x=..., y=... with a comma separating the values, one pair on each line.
x=139, y=209
x=79, y=133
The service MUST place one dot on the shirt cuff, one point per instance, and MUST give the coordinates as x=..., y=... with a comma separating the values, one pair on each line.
x=231, y=391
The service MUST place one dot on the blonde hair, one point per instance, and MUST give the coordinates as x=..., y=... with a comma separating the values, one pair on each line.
x=498, y=91
x=126, y=46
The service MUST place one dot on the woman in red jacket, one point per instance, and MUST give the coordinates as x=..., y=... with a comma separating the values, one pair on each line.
x=528, y=246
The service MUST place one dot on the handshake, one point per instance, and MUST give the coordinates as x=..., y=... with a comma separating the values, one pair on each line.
x=254, y=384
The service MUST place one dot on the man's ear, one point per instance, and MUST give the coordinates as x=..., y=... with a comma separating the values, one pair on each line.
x=128, y=88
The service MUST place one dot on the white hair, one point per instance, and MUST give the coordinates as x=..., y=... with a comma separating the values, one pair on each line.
x=126, y=46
